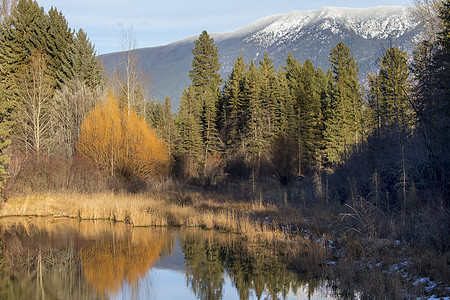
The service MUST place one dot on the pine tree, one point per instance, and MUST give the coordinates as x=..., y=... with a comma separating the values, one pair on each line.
x=233, y=107
x=285, y=118
x=390, y=90
x=343, y=125
x=166, y=128
x=267, y=74
x=81, y=63
x=189, y=137
x=308, y=101
x=205, y=63
x=23, y=34
x=205, y=85
x=306, y=93
x=59, y=37
x=256, y=130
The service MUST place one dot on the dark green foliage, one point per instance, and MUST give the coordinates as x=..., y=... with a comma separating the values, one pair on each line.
x=233, y=107
x=343, y=129
x=22, y=35
x=199, y=108
x=389, y=92
x=189, y=138
x=255, y=131
x=59, y=38
x=80, y=62
x=205, y=64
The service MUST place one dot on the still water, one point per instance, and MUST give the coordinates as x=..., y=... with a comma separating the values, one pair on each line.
x=68, y=259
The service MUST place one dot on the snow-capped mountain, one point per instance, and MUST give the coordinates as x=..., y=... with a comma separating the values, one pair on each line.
x=306, y=34
x=377, y=22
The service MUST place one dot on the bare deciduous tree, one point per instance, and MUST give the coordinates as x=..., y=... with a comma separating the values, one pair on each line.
x=6, y=7
x=71, y=103
x=130, y=82
x=34, y=109
x=426, y=12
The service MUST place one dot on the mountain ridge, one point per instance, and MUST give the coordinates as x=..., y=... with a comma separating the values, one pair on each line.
x=306, y=34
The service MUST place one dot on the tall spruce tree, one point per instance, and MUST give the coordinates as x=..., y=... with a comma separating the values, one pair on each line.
x=59, y=38
x=80, y=62
x=205, y=63
x=205, y=85
x=189, y=137
x=306, y=93
x=343, y=124
x=267, y=74
x=390, y=91
x=309, y=115
x=285, y=118
x=256, y=131
x=23, y=34
x=233, y=107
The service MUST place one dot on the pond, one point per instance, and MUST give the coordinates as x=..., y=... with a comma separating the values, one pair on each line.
x=70, y=259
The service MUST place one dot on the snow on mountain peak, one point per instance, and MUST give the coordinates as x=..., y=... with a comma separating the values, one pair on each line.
x=376, y=22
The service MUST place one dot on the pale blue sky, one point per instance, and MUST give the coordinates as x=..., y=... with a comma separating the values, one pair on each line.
x=159, y=22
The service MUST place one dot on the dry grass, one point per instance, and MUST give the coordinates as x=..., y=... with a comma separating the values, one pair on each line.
x=158, y=210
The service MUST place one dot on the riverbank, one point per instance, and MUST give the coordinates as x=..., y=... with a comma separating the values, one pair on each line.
x=307, y=238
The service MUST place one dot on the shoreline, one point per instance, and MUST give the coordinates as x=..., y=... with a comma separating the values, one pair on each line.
x=310, y=237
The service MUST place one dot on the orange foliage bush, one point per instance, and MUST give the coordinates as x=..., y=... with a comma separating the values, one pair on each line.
x=121, y=143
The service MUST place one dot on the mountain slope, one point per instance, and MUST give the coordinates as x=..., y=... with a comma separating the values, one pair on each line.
x=305, y=34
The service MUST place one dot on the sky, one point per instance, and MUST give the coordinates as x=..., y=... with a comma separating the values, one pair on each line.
x=160, y=22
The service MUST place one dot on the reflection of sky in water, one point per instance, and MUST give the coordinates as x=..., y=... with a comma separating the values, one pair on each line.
x=169, y=284
x=167, y=280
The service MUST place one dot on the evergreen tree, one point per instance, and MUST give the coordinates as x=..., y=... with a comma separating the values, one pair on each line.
x=324, y=82
x=268, y=101
x=390, y=91
x=305, y=90
x=23, y=34
x=59, y=37
x=189, y=140
x=308, y=106
x=205, y=85
x=233, y=107
x=167, y=128
x=256, y=131
x=373, y=111
x=205, y=63
x=343, y=125
x=285, y=118
x=80, y=62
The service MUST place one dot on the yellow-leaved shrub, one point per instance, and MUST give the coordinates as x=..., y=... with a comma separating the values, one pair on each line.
x=122, y=143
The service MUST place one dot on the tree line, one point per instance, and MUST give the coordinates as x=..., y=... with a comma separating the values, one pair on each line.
x=286, y=122
x=297, y=120
x=61, y=114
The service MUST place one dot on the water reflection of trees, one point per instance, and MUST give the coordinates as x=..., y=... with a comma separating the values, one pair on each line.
x=74, y=260
x=109, y=262
x=41, y=264
x=94, y=260
x=204, y=268
x=255, y=270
